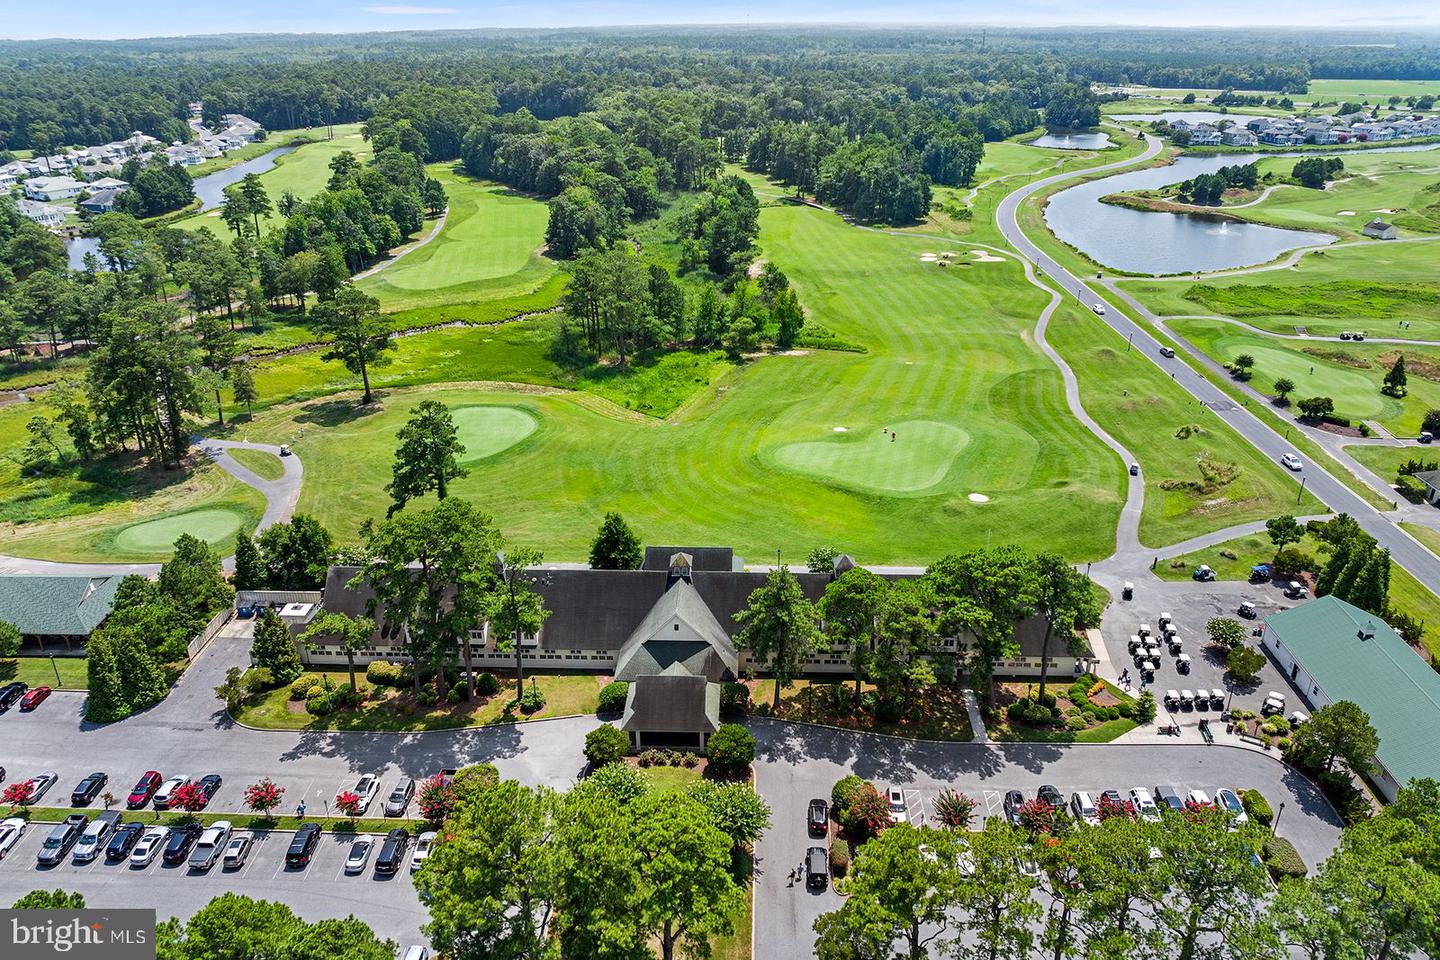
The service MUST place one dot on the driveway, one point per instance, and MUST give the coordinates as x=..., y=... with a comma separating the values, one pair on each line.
x=797, y=763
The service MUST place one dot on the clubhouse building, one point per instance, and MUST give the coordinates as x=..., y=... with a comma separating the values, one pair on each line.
x=666, y=628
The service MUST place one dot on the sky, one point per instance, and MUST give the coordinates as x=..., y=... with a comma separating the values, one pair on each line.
x=107, y=19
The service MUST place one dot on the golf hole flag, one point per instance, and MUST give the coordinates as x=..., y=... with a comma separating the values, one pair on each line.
x=77, y=934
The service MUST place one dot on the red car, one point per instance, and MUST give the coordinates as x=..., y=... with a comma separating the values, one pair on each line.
x=34, y=698
x=144, y=789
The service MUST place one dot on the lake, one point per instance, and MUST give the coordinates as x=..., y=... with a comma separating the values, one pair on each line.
x=1139, y=241
x=209, y=190
x=1065, y=140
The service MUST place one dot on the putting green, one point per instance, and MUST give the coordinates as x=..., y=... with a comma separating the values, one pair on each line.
x=213, y=525
x=915, y=457
x=487, y=430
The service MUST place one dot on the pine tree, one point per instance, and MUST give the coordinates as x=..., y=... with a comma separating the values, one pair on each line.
x=1395, y=379
x=273, y=649
x=1325, y=582
x=249, y=571
x=141, y=679
x=106, y=701
x=1359, y=559
x=615, y=546
x=1372, y=583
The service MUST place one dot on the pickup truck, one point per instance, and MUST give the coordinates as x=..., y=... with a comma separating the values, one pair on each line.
x=61, y=839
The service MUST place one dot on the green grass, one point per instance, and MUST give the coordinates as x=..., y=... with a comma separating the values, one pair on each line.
x=239, y=821
x=263, y=464
x=1375, y=91
x=1385, y=461
x=34, y=371
x=945, y=345
x=488, y=249
x=38, y=671
x=1429, y=537
x=274, y=138
x=667, y=779
x=214, y=525
x=486, y=430
x=1103, y=732
x=394, y=710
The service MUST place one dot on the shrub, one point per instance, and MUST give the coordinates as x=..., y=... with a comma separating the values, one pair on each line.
x=436, y=798
x=456, y=694
x=1282, y=858
x=839, y=857
x=259, y=678
x=1145, y=708
x=612, y=697
x=954, y=810
x=487, y=685
x=1076, y=724
x=620, y=781
x=320, y=704
x=532, y=699
x=605, y=744
x=1410, y=488
x=302, y=685
x=1126, y=710
x=1016, y=711
x=731, y=747
x=1257, y=807
x=867, y=815
x=383, y=673
x=734, y=699
x=1037, y=716
x=1293, y=560
x=426, y=697
x=844, y=792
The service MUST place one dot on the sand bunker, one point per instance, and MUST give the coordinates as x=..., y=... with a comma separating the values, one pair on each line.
x=982, y=256
x=841, y=429
x=1383, y=210
x=1344, y=213
x=928, y=258
x=979, y=498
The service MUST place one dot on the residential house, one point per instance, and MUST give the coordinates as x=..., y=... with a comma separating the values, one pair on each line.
x=1204, y=135
x=1238, y=137
x=101, y=201
x=1333, y=651
x=108, y=183
x=1379, y=229
x=52, y=188
x=57, y=609
x=45, y=214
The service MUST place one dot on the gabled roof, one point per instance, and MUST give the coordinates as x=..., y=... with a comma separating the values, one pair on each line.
x=672, y=704
x=701, y=558
x=57, y=606
x=650, y=649
x=1355, y=656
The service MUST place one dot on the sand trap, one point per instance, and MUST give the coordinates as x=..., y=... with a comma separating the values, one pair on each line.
x=354, y=136
x=982, y=256
x=841, y=429
x=1385, y=210
x=979, y=498
x=1344, y=213
x=928, y=258
x=212, y=213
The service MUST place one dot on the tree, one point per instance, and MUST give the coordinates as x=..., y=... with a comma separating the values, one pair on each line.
x=955, y=810
x=1065, y=598
x=249, y=570
x=736, y=809
x=615, y=546
x=1284, y=386
x=264, y=796
x=273, y=648
x=428, y=456
x=1431, y=422
x=1244, y=664
x=360, y=336
x=605, y=745
x=1283, y=530
x=348, y=803
x=789, y=317
x=994, y=898
x=731, y=747
x=1316, y=408
x=1242, y=365
x=232, y=691
x=17, y=793
x=436, y=799
x=984, y=593
x=242, y=384
x=189, y=797
x=50, y=900
x=1225, y=632
x=516, y=609
x=851, y=609
x=252, y=188
x=105, y=699
x=779, y=627
x=1338, y=731
x=9, y=639
x=1395, y=379
x=296, y=553
x=352, y=634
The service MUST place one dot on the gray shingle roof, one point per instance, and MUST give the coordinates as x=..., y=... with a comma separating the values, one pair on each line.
x=672, y=704
x=57, y=606
x=701, y=558
x=1399, y=691
x=650, y=649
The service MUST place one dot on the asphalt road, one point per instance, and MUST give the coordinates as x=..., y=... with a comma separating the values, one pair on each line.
x=1405, y=550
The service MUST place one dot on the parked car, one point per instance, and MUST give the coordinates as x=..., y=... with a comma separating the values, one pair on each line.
x=145, y=788
x=392, y=851
x=366, y=788
x=359, y=855
x=898, y=812
x=33, y=699
x=1082, y=807
x=150, y=844
x=181, y=841
x=400, y=797
x=1167, y=798
x=210, y=846
x=122, y=841
x=10, y=693
x=1198, y=798
x=1051, y=795
x=1114, y=797
x=96, y=836
x=167, y=791
x=208, y=785
x=817, y=819
x=1226, y=800
x=40, y=784
x=11, y=831
x=88, y=789
x=1014, y=800
x=1144, y=803
x=416, y=952
x=817, y=867
x=424, y=846
x=303, y=844
x=1291, y=462
x=237, y=851
x=62, y=837
x=1167, y=353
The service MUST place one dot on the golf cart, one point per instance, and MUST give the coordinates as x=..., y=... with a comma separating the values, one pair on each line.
x=1135, y=644
x=1128, y=593
x=1295, y=590
x=1165, y=621
x=1144, y=630
x=1176, y=645
x=1182, y=663
x=1203, y=573
x=1172, y=699
x=1274, y=703
x=1247, y=610
x=1426, y=436
x=1297, y=718
x=1260, y=573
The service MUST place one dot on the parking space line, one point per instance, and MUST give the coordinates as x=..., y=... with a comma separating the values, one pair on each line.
x=994, y=799
x=916, y=805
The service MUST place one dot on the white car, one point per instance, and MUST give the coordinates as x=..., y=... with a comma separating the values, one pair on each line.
x=1083, y=808
x=210, y=846
x=423, y=845
x=1226, y=799
x=39, y=784
x=1291, y=462
x=10, y=833
x=1099, y=309
x=359, y=856
x=898, y=811
x=1167, y=353
x=167, y=790
x=148, y=847
x=1199, y=798
x=236, y=853
x=1144, y=803
x=367, y=789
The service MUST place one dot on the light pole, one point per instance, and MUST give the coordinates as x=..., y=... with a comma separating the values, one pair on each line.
x=1302, y=489
x=1276, y=824
x=56, y=669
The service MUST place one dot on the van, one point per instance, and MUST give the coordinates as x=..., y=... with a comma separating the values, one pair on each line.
x=1083, y=808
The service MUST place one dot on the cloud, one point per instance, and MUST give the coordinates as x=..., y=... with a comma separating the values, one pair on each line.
x=407, y=10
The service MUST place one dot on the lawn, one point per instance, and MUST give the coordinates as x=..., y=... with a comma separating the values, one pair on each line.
x=1372, y=91
x=263, y=464
x=938, y=713
x=274, y=138
x=1000, y=728
x=754, y=456
x=39, y=671
x=487, y=250
x=1385, y=460
x=396, y=711
x=666, y=779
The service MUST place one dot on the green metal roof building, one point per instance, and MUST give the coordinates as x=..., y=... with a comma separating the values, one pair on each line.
x=1332, y=651
x=64, y=609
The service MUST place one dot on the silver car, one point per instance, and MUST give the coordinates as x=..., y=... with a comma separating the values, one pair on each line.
x=210, y=846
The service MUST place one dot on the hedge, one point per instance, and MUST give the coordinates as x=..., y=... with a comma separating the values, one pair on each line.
x=839, y=857
x=1282, y=858
x=383, y=673
x=1412, y=489
x=1257, y=807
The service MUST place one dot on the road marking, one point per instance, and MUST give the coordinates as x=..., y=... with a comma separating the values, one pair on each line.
x=916, y=805
x=994, y=799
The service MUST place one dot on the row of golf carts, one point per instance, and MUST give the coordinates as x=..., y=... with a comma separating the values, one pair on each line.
x=1146, y=646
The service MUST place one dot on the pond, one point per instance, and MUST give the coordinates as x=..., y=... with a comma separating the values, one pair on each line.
x=1138, y=241
x=1072, y=140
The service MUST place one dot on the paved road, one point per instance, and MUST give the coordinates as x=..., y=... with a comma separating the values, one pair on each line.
x=1406, y=550
x=797, y=763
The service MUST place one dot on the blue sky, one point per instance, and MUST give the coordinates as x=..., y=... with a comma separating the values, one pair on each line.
x=148, y=18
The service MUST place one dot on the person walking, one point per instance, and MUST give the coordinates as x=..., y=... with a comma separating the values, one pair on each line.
x=300, y=809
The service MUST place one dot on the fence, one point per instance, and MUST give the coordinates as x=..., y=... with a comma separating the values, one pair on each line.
x=246, y=598
x=203, y=638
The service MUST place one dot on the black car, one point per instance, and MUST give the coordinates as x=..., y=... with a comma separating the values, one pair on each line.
x=818, y=819
x=182, y=838
x=392, y=851
x=1167, y=799
x=124, y=839
x=88, y=789
x=208, y=785
x=302, y=847
x=1051, y=795
x=1014, y=800
x=10, y=693
x=817, y=867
